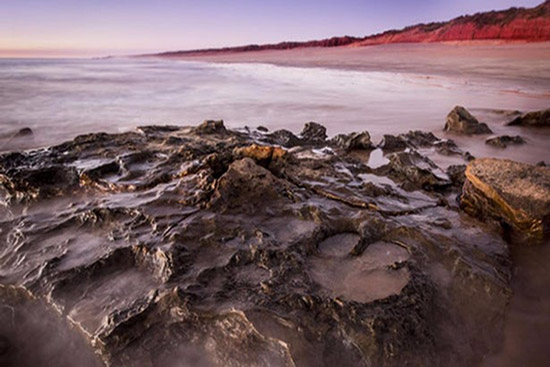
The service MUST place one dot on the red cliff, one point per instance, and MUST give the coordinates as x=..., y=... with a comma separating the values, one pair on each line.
x=514, y=24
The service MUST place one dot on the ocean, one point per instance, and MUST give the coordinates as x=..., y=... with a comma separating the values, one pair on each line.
x=61, y=98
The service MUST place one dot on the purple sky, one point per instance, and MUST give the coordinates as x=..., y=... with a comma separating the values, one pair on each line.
x=99, y=27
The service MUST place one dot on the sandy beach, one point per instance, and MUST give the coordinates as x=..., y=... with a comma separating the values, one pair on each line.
x=471, y=59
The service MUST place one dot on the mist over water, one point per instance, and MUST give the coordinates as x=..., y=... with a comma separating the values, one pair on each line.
x=59, y=99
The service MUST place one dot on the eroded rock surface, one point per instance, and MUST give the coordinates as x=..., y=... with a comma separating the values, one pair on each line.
x=460, y=121
x=517, y=195
x=211, y=247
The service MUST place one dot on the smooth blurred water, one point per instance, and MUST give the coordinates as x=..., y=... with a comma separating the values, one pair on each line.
x=59, y=99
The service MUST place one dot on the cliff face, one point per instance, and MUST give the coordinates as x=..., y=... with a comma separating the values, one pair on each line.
x=514, y=24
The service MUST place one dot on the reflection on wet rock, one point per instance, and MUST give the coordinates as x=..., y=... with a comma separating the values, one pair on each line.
x=207, y=246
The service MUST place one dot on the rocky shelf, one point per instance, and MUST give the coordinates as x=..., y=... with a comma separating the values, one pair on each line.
x=245, y=248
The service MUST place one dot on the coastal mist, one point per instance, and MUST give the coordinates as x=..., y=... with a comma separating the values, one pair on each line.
x=369, y=90
x=213, y=212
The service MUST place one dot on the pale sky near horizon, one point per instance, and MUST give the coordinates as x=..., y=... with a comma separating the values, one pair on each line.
x=101, y=27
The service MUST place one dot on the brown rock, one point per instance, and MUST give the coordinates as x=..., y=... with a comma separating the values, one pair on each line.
x=460, y=121
x=515, y=194
x=211, y=127
x=261, y=153
x=533, y=119
x=505, y=140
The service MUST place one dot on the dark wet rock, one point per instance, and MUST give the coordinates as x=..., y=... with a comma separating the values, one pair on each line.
x=541, y=164
x=314, y=133
x=43, y=182
x=416, y=171
x=283, y=138
x=457, y=174
x=469, y=157
x=516, y=195
x=155, y=130
x=246, y=186
x=392, y=143
x=216, y=247
x=353, y=141
x=505, y=140
x=460, y=121
x=416, y=139
x=413, y=139
x=211, y=127
x=26, y=131
x=532, y=119
x=262, y=129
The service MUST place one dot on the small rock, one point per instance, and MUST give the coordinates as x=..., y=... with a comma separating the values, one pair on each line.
x=541, y=164
x=26, y=131
x=460, y=121
x=456, y=174
x=505, y=140
x=283, y=138
x=246, y=185
x=416, y=171
x=211, y=127
x=314, y=132
x=533, y=119
x=353, y=141
x=262, y=154
x=392, y=143
x=420, y=138
x=262, y=129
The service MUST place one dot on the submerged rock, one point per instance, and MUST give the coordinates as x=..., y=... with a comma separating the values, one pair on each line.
x=516, y=195
x=218, y=248
x=26, y=131
x=532, y=119
x=460, y=121
x=505, y=140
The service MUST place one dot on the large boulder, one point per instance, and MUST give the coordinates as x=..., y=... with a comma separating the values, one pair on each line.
x=534, y=119
x=516, y=195
x=460, y=121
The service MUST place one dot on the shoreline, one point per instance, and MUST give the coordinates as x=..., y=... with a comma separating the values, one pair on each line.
x=415, y=56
